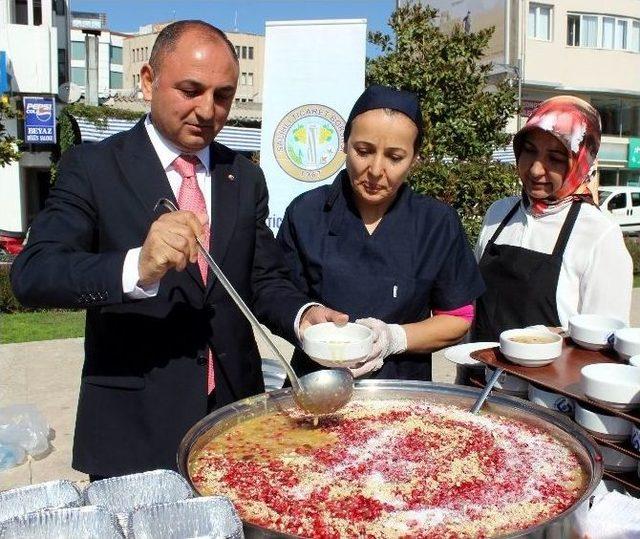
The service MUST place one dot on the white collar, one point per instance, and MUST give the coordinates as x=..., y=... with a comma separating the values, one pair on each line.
x=167, y=152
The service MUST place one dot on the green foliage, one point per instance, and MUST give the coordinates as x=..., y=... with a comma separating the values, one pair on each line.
x=8, y=302
x=470, y=187
x=464, y=121
x=68, y=134
x=633, y=246
x=8, y=144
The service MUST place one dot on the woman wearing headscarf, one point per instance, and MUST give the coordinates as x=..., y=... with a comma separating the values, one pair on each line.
x=369, y=246
x=550, y=253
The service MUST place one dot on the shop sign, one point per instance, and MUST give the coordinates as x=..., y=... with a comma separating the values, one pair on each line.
x=39, y=120
x=634, y=153
x=4, y=77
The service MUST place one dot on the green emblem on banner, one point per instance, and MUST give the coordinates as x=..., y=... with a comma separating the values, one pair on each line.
x=634, y=153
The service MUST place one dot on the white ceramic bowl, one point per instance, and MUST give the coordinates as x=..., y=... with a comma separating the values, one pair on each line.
x=635, y=360
x=592, y=331
x=508, y=383
x=626, y=342
x=553, y=401
x=617, y=386
x=337, y=346
x=611, y=427
x=635, y=437
x=530, y=354
x=615, y=461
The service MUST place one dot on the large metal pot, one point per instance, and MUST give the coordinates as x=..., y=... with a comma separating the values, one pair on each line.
x=557, y=425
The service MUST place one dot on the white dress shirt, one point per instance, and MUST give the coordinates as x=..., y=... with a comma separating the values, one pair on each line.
x=596, y=276
x=167, y=153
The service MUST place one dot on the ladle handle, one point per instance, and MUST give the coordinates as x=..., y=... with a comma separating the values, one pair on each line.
x=168, y=204
x=485, y=392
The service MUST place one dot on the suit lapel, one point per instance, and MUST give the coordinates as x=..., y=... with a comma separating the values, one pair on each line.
x=143, y=171
x=225, y=190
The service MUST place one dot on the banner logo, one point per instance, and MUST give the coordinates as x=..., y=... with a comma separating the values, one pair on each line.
x=308, y=143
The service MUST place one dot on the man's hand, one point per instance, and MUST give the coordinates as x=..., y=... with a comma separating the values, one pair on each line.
x=170, y=243
x=318, y=314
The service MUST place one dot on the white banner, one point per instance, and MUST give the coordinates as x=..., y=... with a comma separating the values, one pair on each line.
x=314, y=72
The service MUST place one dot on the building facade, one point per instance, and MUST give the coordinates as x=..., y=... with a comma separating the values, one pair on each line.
x=34, y=34
x=110, y=53
x=250, y=51
x=586, y=48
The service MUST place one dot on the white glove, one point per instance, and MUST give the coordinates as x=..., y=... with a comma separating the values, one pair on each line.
x=387, y=339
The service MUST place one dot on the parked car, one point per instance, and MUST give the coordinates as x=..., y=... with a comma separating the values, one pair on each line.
x=11, y=242
x=622, y=205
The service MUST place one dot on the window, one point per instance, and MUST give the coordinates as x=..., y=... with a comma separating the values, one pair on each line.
x=115, y=79
x=59, y=7
x=37, y=12
x=62, y=66
x=635, y=199
x=243, y=78
x=250, y=79
x=134, y=81
x=250, y=53
x=603, y=31
x=539, y=22
x=238, y=51
x=78, y=50
x=589, y=36
x=21, y=14
x=573, y=30
x=621, y=34
x=146, y=53
x=79, y=75
x=617, y=202
x=115, y=55
x=635, y=36
x=244, y=52
x=608, y=32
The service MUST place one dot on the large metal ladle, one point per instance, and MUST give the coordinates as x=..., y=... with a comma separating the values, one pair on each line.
x=319, y=393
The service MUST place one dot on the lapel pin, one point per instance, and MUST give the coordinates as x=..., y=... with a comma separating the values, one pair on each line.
x=231, y=177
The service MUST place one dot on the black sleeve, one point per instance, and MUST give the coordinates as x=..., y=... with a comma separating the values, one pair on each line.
x=61, y=265
x=276, y=299
x=459, y=281
x=288, y=240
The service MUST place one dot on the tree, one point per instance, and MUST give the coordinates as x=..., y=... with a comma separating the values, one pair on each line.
x=464, y=119
x=8, y=144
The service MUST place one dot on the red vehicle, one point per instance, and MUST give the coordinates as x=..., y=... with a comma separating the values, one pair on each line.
x=11, y=242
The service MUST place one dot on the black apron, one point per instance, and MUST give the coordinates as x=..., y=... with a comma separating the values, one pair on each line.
x=521, y=284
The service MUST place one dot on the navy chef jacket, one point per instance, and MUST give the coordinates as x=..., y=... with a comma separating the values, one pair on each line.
x=417, y=259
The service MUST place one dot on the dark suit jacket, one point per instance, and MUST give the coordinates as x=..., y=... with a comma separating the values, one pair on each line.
x=144, y=377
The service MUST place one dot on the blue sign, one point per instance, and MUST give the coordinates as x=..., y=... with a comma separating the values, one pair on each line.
x=39, y=120
x=4, y=77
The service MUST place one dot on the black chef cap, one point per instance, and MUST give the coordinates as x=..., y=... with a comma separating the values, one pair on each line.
x=384, y=97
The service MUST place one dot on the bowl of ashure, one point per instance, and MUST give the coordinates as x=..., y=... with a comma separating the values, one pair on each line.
x=332, y=345
x=530, y=347
x=402, y=459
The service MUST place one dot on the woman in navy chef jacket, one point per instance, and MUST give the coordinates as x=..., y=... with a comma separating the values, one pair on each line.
x=368, y=246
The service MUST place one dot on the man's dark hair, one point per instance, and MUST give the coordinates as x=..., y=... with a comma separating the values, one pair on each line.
x=169, y=36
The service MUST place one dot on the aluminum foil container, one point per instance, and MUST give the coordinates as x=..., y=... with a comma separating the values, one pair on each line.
x=211, y=517
x=51, y=495
x=128, y=492
x=85, y=522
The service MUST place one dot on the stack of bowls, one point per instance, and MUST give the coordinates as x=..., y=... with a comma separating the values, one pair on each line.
x=592, y=331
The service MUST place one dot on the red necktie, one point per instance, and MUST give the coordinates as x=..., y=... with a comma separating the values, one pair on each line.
x=190, y=198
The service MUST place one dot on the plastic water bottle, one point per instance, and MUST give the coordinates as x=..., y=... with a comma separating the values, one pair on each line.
x=10, y=456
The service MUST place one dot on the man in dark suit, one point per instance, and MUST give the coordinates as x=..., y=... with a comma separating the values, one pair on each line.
x=164, y=343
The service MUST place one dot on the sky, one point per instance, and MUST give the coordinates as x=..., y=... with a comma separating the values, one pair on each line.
x=241, y=15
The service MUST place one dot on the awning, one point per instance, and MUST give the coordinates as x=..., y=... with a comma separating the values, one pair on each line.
x=241, y=139
x=504, y=155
